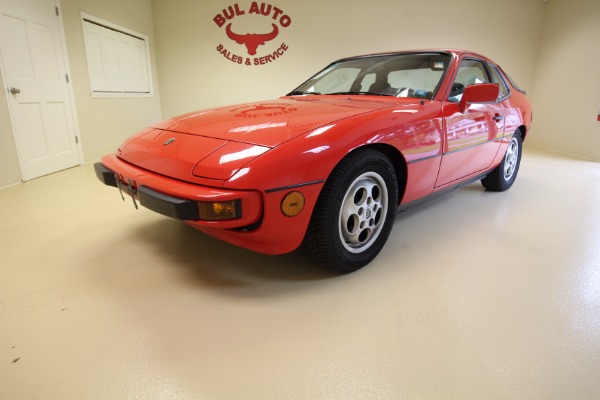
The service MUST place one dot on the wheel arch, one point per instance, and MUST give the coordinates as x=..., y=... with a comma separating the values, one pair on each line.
x=398, y=162
x=341, y=244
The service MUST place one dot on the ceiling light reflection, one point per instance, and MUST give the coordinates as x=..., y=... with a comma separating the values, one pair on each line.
x=321, y=130
x=240, y=155
x=317, y=150
x=239, y=174
x=251, y=128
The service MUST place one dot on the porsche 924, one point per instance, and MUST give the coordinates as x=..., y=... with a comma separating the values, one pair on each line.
x=328, y=164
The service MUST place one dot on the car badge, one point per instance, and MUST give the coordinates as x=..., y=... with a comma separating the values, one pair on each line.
x=168, y=142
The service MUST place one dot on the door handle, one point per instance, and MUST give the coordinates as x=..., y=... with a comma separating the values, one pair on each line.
x=14, y=90
x=498, y=117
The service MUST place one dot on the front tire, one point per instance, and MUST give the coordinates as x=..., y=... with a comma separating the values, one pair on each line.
x=355, y=212
x=503, y=176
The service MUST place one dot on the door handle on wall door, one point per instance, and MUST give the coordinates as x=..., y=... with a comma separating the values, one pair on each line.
x=14, y=90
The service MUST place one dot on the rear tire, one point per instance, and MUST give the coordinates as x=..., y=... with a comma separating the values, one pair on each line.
x=504, y=175
x=355, y=212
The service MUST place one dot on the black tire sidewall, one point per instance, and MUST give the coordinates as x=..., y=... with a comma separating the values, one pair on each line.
x=495, y=180
x=508, y=183
x=330, y=203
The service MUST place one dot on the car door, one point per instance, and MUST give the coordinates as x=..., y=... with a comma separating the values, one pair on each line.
x=473, y=136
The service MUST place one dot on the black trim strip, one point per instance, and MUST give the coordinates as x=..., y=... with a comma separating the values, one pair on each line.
x=423, y=159
x=105, y=175
x=475, y=145
x=170, y=206
x=441, y=192
x=161, y=203
x=498, y=139
x=294, y=186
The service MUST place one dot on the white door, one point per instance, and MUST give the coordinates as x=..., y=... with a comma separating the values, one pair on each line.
x=33, y=63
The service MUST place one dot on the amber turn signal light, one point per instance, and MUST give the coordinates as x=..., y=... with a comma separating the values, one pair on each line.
x=292, y=204
x=219, y=211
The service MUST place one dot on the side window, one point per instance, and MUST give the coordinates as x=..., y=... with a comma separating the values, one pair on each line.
x=497, y=78
x=470, y=72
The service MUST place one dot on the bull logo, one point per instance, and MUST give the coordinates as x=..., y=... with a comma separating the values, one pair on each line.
x=252, y=40
x=260, y=108
x=263, y=110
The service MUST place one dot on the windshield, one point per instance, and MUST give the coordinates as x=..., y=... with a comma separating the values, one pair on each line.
x=398, y=75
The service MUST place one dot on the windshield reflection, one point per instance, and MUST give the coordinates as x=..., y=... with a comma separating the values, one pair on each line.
x=415, y=75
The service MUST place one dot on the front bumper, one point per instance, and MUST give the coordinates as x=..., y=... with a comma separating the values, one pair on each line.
x=262, y=228
x=170, y=206
x=174, y=198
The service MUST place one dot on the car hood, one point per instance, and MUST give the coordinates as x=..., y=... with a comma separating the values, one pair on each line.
x=270, y=123
x=216, y=143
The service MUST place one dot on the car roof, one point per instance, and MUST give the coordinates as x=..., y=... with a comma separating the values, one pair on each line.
x=454, y=52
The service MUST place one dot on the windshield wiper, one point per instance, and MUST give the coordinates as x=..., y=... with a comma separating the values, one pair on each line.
x=363, y=93
x=300, y=92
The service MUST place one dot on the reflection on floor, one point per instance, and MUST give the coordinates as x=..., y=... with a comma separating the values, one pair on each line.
x=476, y=295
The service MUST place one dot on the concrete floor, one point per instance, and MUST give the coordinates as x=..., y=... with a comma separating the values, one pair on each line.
x=477, y=295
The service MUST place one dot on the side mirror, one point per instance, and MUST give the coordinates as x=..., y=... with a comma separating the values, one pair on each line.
x=479, y=93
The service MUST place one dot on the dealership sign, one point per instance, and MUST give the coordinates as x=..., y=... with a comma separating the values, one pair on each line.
x=259, y=47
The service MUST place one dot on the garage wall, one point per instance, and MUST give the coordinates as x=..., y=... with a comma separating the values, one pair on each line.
x=566, y=91
x=535, y=41
x=103, y=123
x=193, y=74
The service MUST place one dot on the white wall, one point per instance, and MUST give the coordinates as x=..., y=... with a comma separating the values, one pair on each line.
x=103, y=123
x=193, y=75
x=566, y=90
x=551, y=49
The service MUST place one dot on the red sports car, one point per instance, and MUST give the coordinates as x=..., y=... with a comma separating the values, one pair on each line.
x=329, y=164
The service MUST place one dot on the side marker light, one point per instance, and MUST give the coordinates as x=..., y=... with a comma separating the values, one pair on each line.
x=292, y=204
